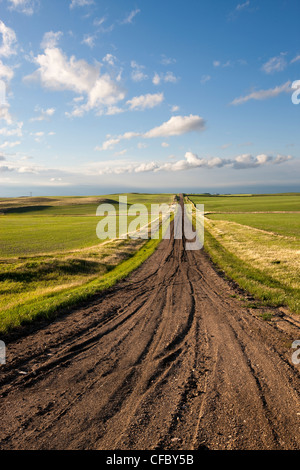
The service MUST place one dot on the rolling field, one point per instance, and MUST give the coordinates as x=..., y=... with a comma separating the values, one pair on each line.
x=249, y=203
x=50, y=255
x=255, y=240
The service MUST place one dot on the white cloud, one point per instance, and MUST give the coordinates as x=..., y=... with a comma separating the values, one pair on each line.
x=165, y=145
x=167, y=60
x=112, y=110
x=175, y=108
x=192, y=161
x=177, y=125
x=9, y=40
x=81, y=3
x=263, y=94
x=6, y=72
x=205, y=78
x=295, y=59
x=45, y=114
x=242, y=6
x=110, y=59
x=217, y=63
x=111, y=142
x=8, y=144
x=137, y=74
x=167, y=77
x=275, y=64
x=38, y=134
x=130, y=16
x=156, y=79
x=145, y=101
x=24, y=6
x=89, y=40
x=119, y=154
x=12, y=132
x=5, y=115
x=58, y=72
x=51, y=39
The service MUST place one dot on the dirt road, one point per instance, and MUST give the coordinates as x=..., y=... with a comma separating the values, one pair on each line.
x=168, y=359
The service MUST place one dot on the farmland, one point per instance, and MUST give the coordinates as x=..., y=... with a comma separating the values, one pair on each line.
x=173, y=357
x=50, y=255
x=255, y=240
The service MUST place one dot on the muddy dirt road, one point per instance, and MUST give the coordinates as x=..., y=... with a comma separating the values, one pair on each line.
x=168, y=359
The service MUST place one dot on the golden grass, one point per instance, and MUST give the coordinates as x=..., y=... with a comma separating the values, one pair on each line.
x=276, y=255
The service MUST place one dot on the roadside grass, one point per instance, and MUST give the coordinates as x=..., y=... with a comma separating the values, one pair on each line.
x=272, y=288
x=283, y=224
x=51, y=260
x=258, y=251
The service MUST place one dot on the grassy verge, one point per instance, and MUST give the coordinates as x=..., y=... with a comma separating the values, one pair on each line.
x=264, y=287
x=49, y=305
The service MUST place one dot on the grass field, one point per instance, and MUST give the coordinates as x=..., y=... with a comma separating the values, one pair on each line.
x=50, y=256
x=257, y=247
x=249, y=203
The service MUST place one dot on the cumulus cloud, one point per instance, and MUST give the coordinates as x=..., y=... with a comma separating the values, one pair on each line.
x=263, y=94
x=192, y=161
x=167, y=77
x=58, y=72
x=51, y=39
x=145, y=101
x=177, y=125
x=275, y=64
x=9, y=41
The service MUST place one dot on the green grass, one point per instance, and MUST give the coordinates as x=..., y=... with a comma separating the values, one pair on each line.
x=282, y=224
x=252, y=278
x=259, y=251
x=48, y=306
x=50, y=225
x=51, y=258
x=248, y=203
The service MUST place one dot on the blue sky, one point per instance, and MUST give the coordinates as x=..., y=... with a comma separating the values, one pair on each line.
x=113, y=95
